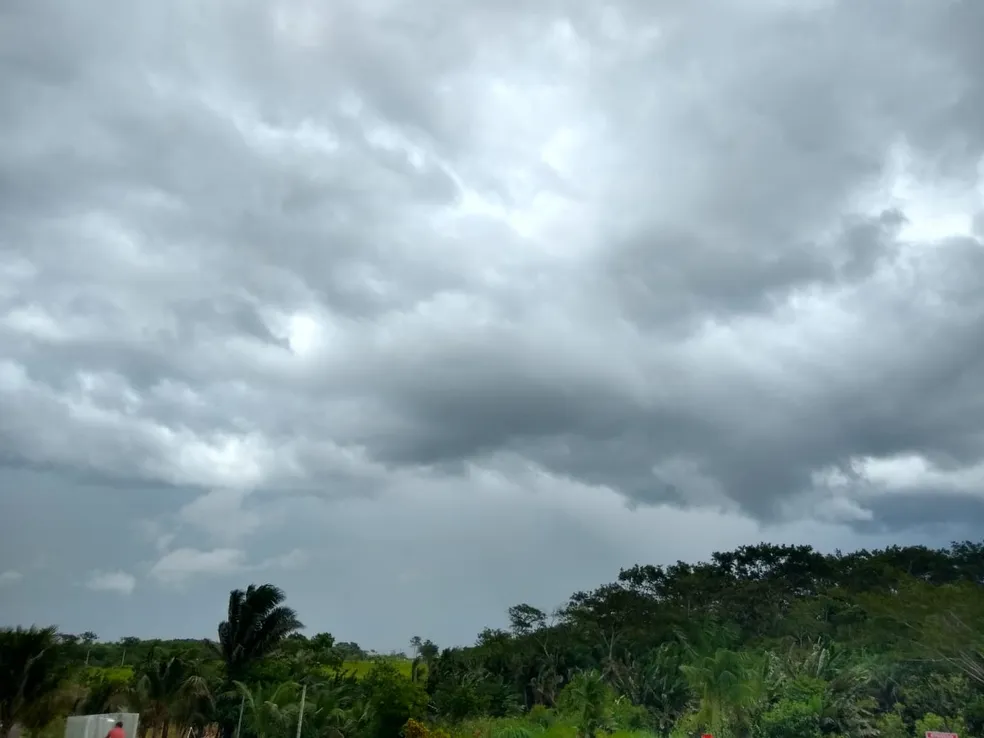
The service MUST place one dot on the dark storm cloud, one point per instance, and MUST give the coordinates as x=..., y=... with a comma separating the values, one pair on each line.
x=900, y=510
x=359, y=250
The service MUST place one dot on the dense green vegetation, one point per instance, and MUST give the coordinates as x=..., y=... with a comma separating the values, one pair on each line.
x=763, y=642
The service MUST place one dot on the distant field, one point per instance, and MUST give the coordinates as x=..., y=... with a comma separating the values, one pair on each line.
x=122, y=674
x=361, y=668
x=115, y=674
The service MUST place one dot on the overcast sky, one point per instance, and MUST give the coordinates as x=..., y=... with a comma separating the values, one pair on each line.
x=423, y=309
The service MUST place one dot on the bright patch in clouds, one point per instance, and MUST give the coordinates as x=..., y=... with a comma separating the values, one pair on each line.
x=183, y=563
x=10, y=577
x=912, y=472
x=306, y=334
x=111, y=581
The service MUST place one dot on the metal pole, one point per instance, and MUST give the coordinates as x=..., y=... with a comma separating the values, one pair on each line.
x=239, y=725
x=300, y=717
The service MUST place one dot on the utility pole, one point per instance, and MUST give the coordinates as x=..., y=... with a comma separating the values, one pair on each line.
x=239, y=725
x=300, y=717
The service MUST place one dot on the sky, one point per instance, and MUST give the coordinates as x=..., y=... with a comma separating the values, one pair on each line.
x=422, y=310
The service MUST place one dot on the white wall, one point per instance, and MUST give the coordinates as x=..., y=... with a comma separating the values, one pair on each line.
x=97, y=726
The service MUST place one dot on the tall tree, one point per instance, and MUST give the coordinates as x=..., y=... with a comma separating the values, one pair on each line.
x=257, y=623
x=33, y=669
x=727, y=691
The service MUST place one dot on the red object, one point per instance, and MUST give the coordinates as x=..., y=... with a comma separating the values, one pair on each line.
x=116, y=733
x=704, y=735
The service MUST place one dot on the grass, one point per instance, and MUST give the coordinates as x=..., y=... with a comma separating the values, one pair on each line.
x=114, y=674
x=524, y=727
x=361, y=668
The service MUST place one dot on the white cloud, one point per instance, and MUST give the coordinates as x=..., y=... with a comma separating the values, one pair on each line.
x=183, y=563
x=909, y=472
x=111, y=581
x=10, y=577
x=220, y=514
x=291, y=560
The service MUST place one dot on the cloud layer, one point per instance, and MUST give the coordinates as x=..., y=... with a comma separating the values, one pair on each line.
x=112, y=581
x=267, y=267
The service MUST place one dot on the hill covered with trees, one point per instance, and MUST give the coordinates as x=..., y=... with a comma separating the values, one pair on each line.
x=762, y=642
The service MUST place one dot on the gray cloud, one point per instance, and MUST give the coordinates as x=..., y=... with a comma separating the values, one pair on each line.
x=263, y=265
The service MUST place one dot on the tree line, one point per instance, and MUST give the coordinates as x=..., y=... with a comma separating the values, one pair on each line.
x=766, y=641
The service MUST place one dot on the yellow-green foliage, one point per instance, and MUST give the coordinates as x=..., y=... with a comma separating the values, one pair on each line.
x=112, y=674
x=517, y=727
x=415, y=729
x=538, y=723
x=404, y=666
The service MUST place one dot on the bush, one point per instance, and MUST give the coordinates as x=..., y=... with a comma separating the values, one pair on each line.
x=891, y=725
x=415, y=729
x=541, y=716
x=931, y=721
x=627, y=716
x=791, y=719
x=394, y=700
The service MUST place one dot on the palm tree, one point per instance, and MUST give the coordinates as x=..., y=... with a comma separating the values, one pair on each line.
x=99, y=694
x=269, y=711
x=257, y=622
x=728, y=689
x=842, y=682
x=168, y=690
x=588, y=698
x=34, y=668
x=655, y=682
x=333, y=712
x=545, y=685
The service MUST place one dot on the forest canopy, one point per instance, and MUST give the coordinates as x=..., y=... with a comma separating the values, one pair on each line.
x=766, y=641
